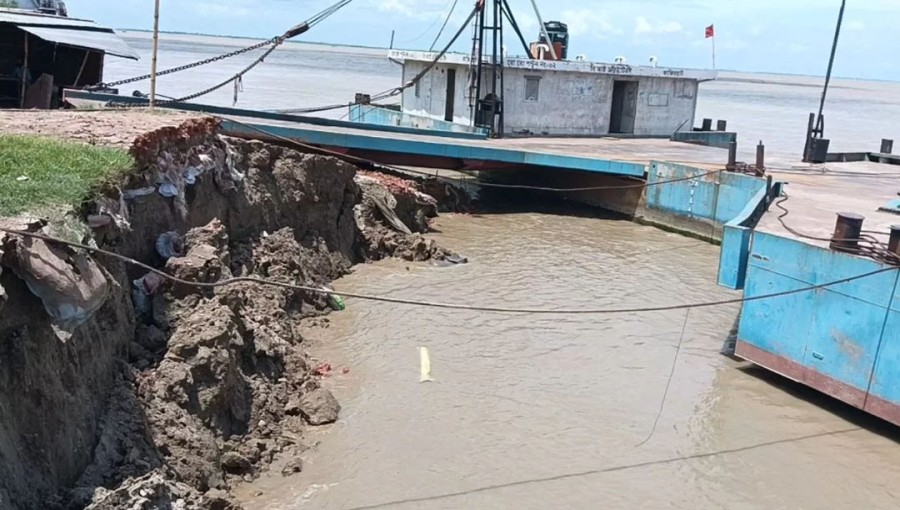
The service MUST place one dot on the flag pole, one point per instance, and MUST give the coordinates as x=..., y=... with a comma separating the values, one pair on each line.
x=714, y=50
x=155, y=52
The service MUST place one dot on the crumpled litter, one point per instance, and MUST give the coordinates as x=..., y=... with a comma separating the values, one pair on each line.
x=190, y=175
x=207, y=161
x=110, y=211
x=69, y=283
x=168, y=190
x=98, y=220
x=231, y=156
x=323, y=369
x=170, y=244
x=131, y=194
x=142, y=289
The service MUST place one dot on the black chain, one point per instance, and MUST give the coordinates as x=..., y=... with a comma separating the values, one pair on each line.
x=274, y=43
x=274, y=40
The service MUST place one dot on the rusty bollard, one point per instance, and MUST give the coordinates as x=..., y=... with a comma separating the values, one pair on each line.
x=894, y=243
x=761, y=157
x=732, y=156
x=846, y=232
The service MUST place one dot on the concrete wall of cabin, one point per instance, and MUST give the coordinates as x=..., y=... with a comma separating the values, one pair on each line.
x=568, y=103
x=664, y=104
x=430, y=97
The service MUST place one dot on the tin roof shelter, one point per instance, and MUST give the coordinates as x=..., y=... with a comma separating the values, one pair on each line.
x=42, y=53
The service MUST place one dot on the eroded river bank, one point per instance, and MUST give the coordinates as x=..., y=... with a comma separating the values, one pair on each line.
x=166, y=368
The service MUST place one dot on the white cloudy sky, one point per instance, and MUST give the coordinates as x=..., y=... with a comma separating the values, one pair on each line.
x=789, y=36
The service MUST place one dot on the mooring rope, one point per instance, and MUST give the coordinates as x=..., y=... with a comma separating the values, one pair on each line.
x=436, y=304
x=867, y=246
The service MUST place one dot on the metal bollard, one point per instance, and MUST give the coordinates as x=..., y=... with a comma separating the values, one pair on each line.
x=894, y=243
x=847, y=229
x=887, y=146
x=732, y=155
x=760, y=156
x=809, y=137
x=722, y=125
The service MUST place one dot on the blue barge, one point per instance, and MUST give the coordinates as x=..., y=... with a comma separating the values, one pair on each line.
x=843, y=340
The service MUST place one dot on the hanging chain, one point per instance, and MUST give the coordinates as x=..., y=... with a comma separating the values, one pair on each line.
x=263, y=44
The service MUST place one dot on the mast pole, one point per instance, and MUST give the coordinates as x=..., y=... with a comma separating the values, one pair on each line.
x=512, y=21
x=153, y=60
x=837, y=33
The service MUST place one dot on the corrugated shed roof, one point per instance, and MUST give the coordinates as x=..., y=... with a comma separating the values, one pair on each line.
x=80, y=33
x=107, y=42
x=26, y=17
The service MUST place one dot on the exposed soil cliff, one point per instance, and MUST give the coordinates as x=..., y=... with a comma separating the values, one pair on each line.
x=163, y=394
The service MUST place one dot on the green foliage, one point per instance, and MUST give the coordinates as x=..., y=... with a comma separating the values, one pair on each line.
x=38, y=172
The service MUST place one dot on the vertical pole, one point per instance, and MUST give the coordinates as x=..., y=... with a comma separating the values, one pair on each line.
x=155, y=53
x=544, y=30
x=502, y=66
x=837, y=33
x=714, y=50
x=392, y=39
x=515, y=26
x=479, y=64
x=81, y=71
x=25, y=73
x=495, y=62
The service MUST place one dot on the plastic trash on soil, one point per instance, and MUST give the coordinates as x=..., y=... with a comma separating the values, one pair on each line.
x=168, y=190
x=170, y=244
x=110, y=211
x=70, y=284
x=142, y=289
x=334, y=301
x=131, y=194
x=231, y=165
x=190, y=175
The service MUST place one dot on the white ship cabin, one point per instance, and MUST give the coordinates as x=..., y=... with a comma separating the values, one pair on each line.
x=555, y=97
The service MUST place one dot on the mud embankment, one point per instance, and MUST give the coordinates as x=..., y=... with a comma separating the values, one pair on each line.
x=142, y=393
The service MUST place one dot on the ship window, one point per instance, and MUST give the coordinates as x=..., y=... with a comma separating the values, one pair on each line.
x=532, y=88
x=419, y=88
x=683, y=90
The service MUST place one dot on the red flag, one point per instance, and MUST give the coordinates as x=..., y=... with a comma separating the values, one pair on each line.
x=710, y=31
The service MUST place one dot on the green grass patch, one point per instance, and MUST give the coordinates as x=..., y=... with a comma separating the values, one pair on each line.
x=37, y=172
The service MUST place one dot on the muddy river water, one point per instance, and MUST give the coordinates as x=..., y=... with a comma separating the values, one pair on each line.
x=548, y=411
